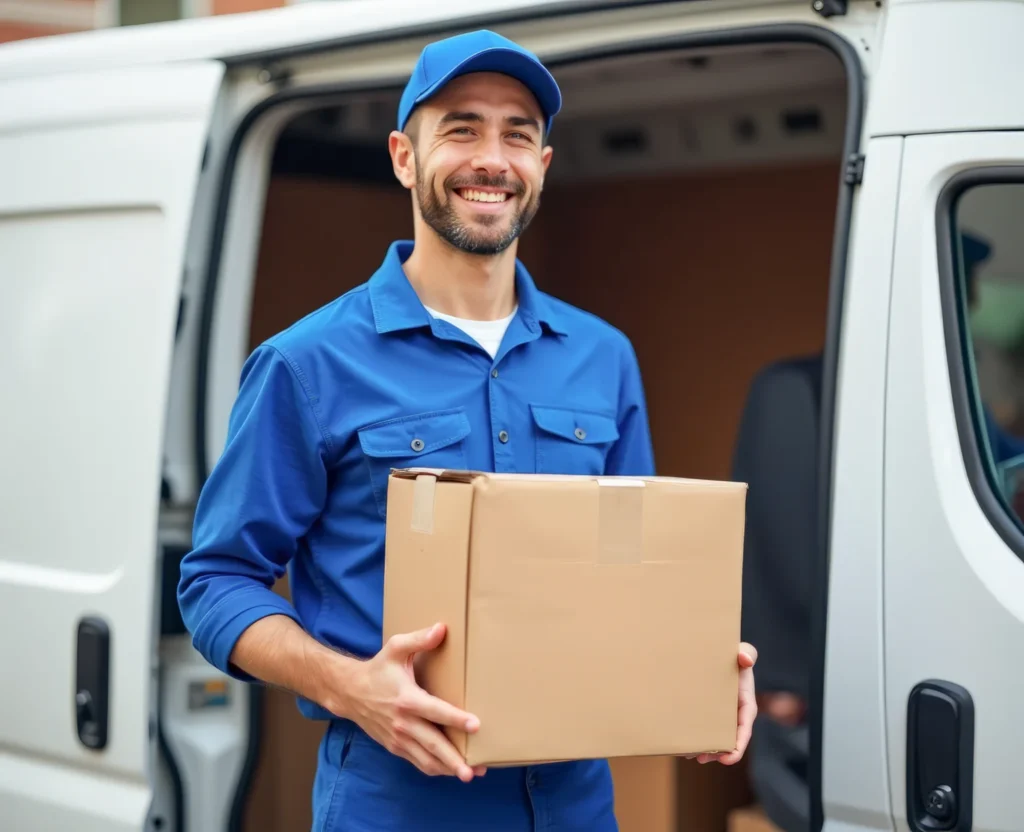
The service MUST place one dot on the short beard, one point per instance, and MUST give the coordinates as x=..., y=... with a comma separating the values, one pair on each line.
x=443, y=219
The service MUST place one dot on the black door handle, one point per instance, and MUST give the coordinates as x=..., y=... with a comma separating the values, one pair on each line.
x=92, y=682
x=940, y=757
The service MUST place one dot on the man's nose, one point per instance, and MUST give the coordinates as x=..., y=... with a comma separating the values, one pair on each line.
x=490, y=156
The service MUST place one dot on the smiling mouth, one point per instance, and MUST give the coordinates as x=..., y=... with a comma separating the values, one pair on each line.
x=476, y=195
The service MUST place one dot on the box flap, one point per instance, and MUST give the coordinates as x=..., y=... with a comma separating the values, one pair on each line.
x=442, y=474
x=458, y=475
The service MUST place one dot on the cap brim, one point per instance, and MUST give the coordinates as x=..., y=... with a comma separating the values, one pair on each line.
x=531, y=73
x=976, y=250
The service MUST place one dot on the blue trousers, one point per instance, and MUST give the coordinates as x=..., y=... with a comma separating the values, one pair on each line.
x=361, y=787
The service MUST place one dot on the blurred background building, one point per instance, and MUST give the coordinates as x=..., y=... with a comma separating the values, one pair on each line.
x=21, y=19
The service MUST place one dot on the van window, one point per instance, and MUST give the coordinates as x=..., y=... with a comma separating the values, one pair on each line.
x=988, y=258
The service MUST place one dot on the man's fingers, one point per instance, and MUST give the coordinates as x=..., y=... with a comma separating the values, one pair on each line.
x=424, y=760
x=747, y=655
x=747, y=712
x=437, y=745
x=745, y=729
x=404, y=645
x=442, y=713
x=479, y=771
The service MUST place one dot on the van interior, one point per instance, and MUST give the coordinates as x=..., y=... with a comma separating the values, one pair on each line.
x=691, y=202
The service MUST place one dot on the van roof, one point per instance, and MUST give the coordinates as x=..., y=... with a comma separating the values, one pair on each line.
x=238, y=36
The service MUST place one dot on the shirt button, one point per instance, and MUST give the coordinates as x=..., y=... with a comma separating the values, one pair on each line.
x=417, y=445
x=494, y=373
x=503, y=436
x=581, y=434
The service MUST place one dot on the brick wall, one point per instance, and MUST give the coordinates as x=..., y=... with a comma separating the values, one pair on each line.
x=233, y=6
x=21, y=19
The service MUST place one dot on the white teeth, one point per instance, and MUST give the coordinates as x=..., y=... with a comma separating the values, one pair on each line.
x=483, y=196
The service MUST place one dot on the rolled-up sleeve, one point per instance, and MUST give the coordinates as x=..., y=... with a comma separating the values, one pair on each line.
x=633, y=453
x=263, y=495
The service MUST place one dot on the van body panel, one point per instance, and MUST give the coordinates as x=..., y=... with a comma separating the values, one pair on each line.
x=94, y=213
x=311, y=27
x=950, y=67
x=581, y=36
x=226, y=36
x=855, y=786
x=44, y=102
x=954, y=589
x=39, y=795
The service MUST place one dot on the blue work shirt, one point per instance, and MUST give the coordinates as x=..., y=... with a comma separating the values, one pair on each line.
x=325, y=410
x=1004, y=444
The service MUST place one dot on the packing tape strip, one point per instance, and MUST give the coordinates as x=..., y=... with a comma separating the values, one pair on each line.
x=621, y=521
x=423, y=503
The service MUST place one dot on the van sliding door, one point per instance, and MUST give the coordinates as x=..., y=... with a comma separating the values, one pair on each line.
x=954, y=485
x=98, y=176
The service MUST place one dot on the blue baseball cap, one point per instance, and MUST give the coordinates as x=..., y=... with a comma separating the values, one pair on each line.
x=976, y=251
x=481, y=51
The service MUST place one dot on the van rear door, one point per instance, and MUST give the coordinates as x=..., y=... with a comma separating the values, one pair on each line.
x=98, y=176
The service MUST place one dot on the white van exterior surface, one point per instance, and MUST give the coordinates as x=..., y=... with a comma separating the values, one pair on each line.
x=133, y=172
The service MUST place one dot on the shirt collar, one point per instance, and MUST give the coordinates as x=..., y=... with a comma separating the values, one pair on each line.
x=396, y=306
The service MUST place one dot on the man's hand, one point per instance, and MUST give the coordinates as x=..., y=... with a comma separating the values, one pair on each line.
x=380, y=695
x=746, y=710
x=387, y=703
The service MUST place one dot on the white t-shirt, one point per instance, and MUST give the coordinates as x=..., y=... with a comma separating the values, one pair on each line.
x=487, y=334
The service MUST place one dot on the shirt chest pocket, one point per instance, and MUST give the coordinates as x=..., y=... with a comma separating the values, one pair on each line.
x=423, y=440
x=571, y=441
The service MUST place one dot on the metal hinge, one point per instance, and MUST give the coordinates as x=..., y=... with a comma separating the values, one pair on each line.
x=829, y=8
x=279, y=76
x=853, y=172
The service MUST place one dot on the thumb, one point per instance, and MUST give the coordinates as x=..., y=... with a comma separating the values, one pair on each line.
x=405, y=644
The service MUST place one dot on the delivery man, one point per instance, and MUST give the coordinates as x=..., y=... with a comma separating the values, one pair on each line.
x=434, y=362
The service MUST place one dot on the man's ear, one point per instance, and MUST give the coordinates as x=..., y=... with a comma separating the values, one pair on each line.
x=403, y=158
x=545, y=158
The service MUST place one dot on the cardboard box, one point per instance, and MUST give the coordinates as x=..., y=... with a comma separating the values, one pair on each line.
x=587, y=617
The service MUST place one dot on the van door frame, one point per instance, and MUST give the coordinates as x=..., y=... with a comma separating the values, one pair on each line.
x=850, y=178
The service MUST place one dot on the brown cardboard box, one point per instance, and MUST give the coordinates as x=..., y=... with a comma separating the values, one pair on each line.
x=587, y=617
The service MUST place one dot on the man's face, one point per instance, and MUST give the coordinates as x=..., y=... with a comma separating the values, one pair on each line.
x=479, y=161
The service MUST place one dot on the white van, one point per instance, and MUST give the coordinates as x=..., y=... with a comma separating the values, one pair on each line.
x=735, y=182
